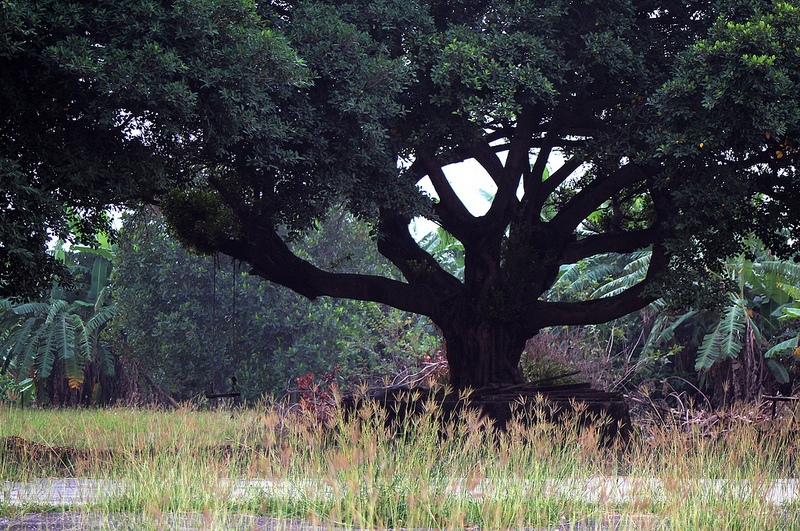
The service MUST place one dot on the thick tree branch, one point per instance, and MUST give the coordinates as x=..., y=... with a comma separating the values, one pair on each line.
x=555, y=180
x=542, y=314
x=533, y=179
x=454, y=215
x=517, y=163
x=415, y=171
x=487, y=158
x=594, y=194
x=617, y=242
x=272, y=260
x=573, y=144
x=419, y=267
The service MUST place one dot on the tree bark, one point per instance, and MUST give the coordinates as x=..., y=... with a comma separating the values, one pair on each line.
x=482, y=351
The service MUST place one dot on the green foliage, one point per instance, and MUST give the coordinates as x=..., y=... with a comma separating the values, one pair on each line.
x=725, y=340
x=599, y=276
x=753, y=320
x=676, y=123
x=34, y=335
x=744, y=74
x=200, y=218
x=765, y=289
x=446, y=249
x=193, y=321
x=16, y=392
x=139, y=91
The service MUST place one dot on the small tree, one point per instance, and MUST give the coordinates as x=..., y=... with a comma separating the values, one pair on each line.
x=58, y=338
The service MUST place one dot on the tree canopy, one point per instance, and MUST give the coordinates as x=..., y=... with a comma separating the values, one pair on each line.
x=668, y=126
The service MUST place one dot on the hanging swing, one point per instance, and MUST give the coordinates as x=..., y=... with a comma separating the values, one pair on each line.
x=232, y=391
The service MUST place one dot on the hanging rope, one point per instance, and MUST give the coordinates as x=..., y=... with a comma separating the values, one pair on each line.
x=232, y=347
x=230, y=341
x=214, y=315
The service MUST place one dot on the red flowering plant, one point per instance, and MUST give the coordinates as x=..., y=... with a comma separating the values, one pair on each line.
x=317, y=396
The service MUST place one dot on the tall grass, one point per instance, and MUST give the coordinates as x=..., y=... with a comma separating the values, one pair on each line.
x=360, y=471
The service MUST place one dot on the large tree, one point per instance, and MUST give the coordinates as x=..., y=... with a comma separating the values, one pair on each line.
x=667, y=126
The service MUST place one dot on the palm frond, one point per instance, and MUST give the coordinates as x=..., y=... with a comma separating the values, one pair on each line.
x=84, y=343
x=9, y=322
x=725, y=341
x=18, y=341
x=787, y=270
x=45, y=355
x=638, y=261
x=100, y=319
x=429, y=241
x=619, y=285
x=32, y=308
x=100, y=269
x=575, y=279
x=28, y=356
x=106, y=359
x=664, y=328
x=779, y=371
x=36, y=334
x=783, y=346
x=732, y=325
x=73, y=358
x=791, y=290
x=102, y=297
x=709, y=351
x=58, y=306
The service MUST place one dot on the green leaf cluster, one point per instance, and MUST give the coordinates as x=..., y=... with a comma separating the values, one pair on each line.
x=64, y=328
x=192, y=321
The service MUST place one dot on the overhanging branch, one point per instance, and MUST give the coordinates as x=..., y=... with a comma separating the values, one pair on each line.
x=419, y=267
x=542, y=314
x=517, y=162
x=272, y=260
x=450, y=208
x=556, y=179
x=594, y=194
x=616, y=242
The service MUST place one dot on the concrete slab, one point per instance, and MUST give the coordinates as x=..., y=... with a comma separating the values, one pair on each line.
x=80, y=491
x=59, y=491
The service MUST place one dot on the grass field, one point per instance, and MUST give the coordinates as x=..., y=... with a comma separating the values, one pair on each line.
x=291, y=463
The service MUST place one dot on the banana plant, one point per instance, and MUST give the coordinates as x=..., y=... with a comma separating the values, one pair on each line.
x=446, y=249
x=765, y=296
x=600, y=276
x=767, y=290
x=735, y=329
x=33, y=335
x=789, y=312
x=16, y=391
x=764, y=290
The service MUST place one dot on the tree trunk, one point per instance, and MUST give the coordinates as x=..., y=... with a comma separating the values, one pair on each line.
x=482, y=351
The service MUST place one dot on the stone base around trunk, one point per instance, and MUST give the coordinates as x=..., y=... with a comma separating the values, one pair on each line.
x=502, y=403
